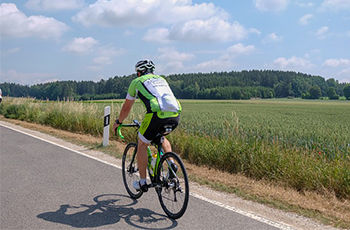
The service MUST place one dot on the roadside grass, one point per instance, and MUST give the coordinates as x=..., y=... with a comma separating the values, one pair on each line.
x=326, y=218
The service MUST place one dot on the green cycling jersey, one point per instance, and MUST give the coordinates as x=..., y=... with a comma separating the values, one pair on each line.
x=155, y=93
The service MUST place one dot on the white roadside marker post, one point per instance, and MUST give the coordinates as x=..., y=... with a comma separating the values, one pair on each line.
x=106, y=125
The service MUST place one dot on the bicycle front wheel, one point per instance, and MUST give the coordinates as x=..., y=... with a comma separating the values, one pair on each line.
x=130, y=170
x=173, y=192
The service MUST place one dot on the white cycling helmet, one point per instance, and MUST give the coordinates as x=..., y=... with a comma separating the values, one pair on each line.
x=145, y=66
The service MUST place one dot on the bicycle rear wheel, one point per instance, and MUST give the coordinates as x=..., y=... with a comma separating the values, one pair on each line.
x=174, y=191
x=130, y=170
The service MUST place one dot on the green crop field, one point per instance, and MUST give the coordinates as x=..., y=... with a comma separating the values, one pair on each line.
x=301, y=144
x=322, y=126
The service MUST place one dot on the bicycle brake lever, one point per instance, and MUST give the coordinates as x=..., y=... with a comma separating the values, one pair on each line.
x=137, y=122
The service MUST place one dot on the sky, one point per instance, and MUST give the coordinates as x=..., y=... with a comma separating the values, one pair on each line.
x=89, y=40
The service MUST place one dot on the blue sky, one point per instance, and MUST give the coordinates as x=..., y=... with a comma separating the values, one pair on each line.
x=54, y=40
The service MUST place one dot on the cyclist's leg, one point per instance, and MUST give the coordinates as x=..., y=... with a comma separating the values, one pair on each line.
x=143, y=142
x=174, y=120
x=167, y=148
x=142, y=158
x=166, y=145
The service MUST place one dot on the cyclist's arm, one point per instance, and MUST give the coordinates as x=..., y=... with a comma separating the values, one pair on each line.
x=129, y=101
x=124, y=112
x=125, y=109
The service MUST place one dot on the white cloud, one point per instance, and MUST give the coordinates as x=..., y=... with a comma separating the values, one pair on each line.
x=27, y=78
x=117, y=13
x=222, y=63
x=174, y=60
x=15, y=24
x=157, y=35
x=171, y=54
x=171, y=67
x=239, y=48
x=105, y=56
x=55, y=5
x=110, y=51
x=322, y=32
x=344, y=75
x=335, y=5
x=128, y=33
x=14, y=50
x=145, y=12
x=213, y=29
x=293, y=63
x=312, y=53
x=81, y=45
x=254, y=31
x=182, y=20
x=305, y=20
x=336, y=62
x=338, y=68
x=178, y=11
x=99, y=63
x=305, y=4
x=10, y=51
x=210, y=30
x=227, y=60
x=271, y=5
x=273, y=37
x=102, y=60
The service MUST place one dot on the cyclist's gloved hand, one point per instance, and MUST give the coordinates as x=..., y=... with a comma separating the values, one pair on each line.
x=115, y=125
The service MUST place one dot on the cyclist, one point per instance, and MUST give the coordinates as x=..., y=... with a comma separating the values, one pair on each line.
x=161, y=108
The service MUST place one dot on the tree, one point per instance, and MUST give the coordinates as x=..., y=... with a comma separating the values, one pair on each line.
x=331, y=82
x=346, y=91
x=283, y=89
x=315, y=92
x=332, y=94
x=196, y=90
x=214, y=85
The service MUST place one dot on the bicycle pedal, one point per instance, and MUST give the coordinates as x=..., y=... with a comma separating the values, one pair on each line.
x=138, y=187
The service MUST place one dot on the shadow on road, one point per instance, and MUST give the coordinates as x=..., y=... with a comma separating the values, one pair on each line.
x=109, y=209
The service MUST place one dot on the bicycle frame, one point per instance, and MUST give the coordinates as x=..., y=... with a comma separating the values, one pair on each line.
x=157, y=143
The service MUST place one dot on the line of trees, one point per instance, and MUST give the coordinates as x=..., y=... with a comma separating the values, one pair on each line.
x=215, y=85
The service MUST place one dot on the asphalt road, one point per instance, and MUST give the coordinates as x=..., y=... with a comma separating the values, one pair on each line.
x=45, y=186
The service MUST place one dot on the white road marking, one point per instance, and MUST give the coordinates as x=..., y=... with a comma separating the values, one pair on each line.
x=244, y=213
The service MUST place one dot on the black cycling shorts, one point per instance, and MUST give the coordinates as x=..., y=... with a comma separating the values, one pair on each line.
x=152, y=123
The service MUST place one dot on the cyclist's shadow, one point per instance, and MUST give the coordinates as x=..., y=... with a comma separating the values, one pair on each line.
x=109, y=209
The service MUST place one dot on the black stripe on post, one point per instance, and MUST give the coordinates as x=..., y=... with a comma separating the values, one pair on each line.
x=106, y=120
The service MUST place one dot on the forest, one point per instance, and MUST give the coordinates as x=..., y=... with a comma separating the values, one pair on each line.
x=214, y=85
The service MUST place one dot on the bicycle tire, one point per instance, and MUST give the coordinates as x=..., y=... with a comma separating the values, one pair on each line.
x=173, y=193
x=130, y=170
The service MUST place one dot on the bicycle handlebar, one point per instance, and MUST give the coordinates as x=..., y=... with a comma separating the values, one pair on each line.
x=134, y=124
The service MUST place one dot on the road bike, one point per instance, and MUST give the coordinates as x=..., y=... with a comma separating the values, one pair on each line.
x=170, y=181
